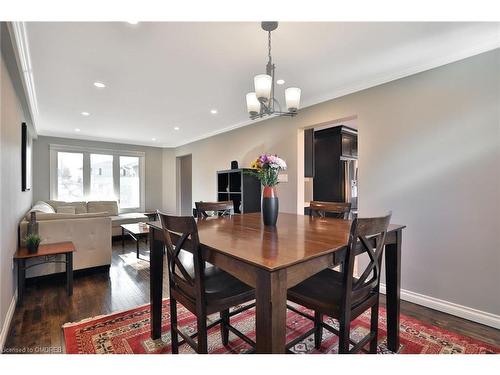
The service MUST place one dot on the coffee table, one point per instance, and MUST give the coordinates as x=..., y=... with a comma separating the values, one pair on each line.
x=136, y=231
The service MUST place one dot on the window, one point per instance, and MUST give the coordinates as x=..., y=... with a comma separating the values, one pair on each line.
x=70, y=176
x=101, y=178
x=129, y=182
x=83, y=174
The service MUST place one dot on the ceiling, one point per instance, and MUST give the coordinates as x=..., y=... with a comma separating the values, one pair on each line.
x=161, y=75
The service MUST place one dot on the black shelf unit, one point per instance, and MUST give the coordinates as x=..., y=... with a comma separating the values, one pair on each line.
x=239, y=187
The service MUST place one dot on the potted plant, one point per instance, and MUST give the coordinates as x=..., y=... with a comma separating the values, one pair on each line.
x=266, y=168
x=32, y=242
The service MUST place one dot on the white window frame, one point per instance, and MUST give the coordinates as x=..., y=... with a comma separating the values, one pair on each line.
x=86, y=151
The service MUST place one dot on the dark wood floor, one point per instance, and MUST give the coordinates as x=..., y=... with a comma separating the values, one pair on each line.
x=46, y=307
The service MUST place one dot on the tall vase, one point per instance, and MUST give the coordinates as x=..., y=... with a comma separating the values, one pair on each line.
x=270, y=206
x=32, y=224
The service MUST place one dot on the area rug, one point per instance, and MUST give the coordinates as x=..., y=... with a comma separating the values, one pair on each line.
x=128, y=332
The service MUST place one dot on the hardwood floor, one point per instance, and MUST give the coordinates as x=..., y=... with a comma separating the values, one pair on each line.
x=36, y=325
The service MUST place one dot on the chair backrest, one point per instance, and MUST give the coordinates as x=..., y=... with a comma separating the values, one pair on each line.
x=184, y=231
x=220, y=208
x=368, y=236
x=339, y=210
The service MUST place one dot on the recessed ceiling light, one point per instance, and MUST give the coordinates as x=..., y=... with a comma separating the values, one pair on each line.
x=99, y=85
x=280, y=81
x=176, y=128
x=133, y=22
x=77, y=130
x=213, y=111
x=153, y=139
x=85, y=114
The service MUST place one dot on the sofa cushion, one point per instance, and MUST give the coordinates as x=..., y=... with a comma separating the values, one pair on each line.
x=103, y=206
x=130, y=218
x=66, y=210
x=80, y=207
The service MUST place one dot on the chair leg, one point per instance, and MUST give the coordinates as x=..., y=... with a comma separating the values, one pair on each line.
x=318, y=333
x=344, y=332
x=202, y=334
x=224, y=331
x=374, y=329
x=174, y=340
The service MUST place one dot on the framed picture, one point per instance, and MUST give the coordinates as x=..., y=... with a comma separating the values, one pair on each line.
x=26, y=159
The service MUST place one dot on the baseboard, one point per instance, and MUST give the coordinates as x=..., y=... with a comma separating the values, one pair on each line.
x=8, y=320
x=461, y=311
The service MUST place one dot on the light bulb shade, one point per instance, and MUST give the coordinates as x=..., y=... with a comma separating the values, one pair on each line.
x=292, y=98
x=263, y=83
x=253, y=104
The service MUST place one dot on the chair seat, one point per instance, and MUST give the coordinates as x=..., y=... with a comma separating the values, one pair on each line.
x=219, y=285
x=322, y=292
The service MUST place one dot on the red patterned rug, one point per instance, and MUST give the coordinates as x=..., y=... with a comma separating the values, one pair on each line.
x=128, y=332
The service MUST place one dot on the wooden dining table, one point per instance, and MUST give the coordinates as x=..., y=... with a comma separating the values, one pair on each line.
x=273, y=259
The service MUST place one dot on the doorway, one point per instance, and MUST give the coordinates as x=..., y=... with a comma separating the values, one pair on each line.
x=328, y=163
x=184, y=185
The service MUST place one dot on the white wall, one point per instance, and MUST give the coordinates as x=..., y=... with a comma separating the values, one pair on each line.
x=429, y=151
x=14, y=203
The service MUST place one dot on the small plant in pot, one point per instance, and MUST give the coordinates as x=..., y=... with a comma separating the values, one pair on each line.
x=32, y=242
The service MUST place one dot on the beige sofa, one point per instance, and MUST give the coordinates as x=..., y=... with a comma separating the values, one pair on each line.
x=89, y=225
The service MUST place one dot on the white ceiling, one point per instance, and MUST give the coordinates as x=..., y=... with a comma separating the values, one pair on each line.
x=161, y=75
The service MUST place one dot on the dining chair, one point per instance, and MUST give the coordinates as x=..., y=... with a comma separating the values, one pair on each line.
x=220, y=208
x=199, y=286
x=342, y=296
x=339, y=210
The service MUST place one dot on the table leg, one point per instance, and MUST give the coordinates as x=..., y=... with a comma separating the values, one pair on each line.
x=271, y=311
x=392, y=290
x=155, y=283
x=69, y=273
x=21, y=278
x=123, y=238
x=137, y=246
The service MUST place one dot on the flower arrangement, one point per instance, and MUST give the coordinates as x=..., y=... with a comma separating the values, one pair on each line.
x=266, y=168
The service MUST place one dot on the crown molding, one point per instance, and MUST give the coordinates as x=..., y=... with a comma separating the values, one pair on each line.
x=20, y=43
x=474, y=50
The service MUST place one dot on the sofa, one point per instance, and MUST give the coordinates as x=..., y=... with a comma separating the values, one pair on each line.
x=89, y=225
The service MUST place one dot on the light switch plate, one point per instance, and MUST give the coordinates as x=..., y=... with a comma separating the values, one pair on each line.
x=283, y=177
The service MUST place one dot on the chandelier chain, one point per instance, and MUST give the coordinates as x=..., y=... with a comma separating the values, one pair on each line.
x=269, y=45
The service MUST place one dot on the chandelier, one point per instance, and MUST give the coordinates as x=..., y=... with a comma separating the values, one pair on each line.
x=262, y=102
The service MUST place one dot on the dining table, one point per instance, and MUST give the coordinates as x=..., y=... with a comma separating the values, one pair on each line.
x=272, y=260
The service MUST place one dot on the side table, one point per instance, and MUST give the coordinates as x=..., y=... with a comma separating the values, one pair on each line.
x=48, y=253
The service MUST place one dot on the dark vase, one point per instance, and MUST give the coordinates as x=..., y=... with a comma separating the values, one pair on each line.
x=32, y=224
x=32, y=248
x=270, y=206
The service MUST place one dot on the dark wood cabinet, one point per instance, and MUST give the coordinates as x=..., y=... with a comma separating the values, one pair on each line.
x=349, y=143
x=334, y=151
x=241, y=188
x=309, y=153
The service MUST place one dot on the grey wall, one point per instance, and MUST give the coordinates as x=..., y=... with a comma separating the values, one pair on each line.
x=185, y=187
x=41, y=166
x=429, y=147
x=14, y=203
